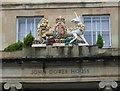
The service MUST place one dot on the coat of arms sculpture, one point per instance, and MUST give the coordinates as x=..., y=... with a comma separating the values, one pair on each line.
x=60, y=35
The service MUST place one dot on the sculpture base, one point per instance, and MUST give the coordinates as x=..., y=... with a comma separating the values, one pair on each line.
x=82, y=44
x=38, y=45
x=57, y=44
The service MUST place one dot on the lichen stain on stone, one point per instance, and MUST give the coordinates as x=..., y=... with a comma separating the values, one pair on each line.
x=70, y=51
x=80, y=51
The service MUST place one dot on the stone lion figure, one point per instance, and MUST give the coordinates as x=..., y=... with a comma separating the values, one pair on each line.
x=43, y=28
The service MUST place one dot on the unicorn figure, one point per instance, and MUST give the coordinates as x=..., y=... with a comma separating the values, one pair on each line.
x=78, y=30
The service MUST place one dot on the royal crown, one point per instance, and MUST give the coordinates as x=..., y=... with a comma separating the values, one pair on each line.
x=60, y=19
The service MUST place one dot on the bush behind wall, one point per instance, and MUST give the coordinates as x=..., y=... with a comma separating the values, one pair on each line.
x=99, y=41
x=14, y=46
x=28, y=40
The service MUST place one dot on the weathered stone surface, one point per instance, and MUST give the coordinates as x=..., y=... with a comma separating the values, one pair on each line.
x=65, y=71
x=66, y=51
x=15, y=54
x=55, y=51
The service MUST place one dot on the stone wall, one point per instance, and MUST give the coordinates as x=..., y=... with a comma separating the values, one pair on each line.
x=67, y=51
x=14, y=54
x=60, y=71
x=55, y=51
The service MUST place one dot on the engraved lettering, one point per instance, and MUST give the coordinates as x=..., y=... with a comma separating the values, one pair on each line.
x=36, y=71
x=77, y=71
x=61, y=71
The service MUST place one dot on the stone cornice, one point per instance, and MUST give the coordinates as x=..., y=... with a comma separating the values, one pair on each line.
x=51, y=1
x=56, y=5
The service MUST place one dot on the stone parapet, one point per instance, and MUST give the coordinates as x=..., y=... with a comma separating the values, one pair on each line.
x=56, y=52
x=59, y=51
x=14, y=54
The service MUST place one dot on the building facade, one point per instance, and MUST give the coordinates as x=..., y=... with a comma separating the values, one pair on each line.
x=80, y=68
x=19, y=18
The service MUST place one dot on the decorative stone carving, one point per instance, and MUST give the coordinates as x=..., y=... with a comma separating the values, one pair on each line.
x=108, y=85
x=8, y=85
x=60, y=35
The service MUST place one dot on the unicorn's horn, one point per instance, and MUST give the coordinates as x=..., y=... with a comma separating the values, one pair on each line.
x=80, y=19
x=76, y=15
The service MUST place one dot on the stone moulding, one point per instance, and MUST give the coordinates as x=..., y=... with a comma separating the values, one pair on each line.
x=57, y=5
